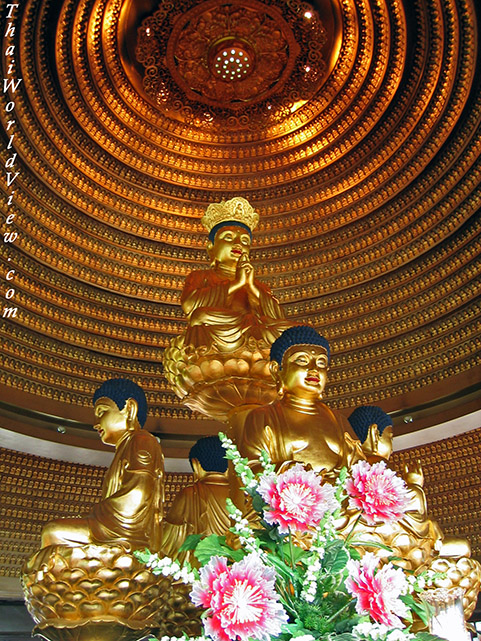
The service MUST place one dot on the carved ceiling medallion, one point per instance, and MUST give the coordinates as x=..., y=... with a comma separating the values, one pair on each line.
x=236, y=58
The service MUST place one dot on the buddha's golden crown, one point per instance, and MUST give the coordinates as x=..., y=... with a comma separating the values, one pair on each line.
x=237, y=209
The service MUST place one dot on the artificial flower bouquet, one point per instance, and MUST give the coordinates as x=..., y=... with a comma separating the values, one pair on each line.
x=292, y=575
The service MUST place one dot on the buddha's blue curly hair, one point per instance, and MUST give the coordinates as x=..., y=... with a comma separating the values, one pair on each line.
x=210, y=454
x=366, y=415
x=228, y=223
x=119, y=390
x=297, y=335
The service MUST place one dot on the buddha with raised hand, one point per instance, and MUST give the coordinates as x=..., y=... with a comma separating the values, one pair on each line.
x=130, y=509
x=226, y=304
x=298, y=426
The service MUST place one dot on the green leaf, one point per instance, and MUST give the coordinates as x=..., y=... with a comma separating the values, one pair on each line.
x=190, y=542
x=339, y=562
x=298, y=553
x=212, y=545
x=373, y=544
x=266, y=539
x=336, y=557
x=258, y=503
x=295, y=629
x=283, y=570
x=421, y=608
x=215, y=545
x=427, y=636
x=143, y=555
x=355, y=554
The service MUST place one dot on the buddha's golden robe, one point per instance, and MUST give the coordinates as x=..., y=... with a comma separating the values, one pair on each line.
x=130, y=510
x=227, y=320
x=199, y=508
x=320, y=439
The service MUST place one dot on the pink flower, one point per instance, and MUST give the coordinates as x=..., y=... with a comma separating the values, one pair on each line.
x=377, y=491
x=241, y=600
x=296, y=498
x=203, y=590
x=378, y=593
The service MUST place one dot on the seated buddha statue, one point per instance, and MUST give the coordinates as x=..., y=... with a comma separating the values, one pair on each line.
x=220, y=364
x=298, y=426
x=199, y=508
x=130, y=509
x=418, y=536
x=226, y=304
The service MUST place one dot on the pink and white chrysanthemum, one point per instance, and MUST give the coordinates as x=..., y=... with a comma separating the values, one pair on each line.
x=378, y=592
x=296, y=498
x=241, y=600
x=377, y=491
x=204, y=589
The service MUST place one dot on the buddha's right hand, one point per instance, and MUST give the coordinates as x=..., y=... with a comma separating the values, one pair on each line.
x=245, y=270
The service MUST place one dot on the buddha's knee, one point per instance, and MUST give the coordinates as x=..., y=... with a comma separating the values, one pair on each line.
x=199, y=317
x=453, y=547
x=66, y=532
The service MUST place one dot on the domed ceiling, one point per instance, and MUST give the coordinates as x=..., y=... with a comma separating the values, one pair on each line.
x=352, y=127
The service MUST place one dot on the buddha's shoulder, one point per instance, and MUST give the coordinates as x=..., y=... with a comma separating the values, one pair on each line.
x=259, y=415
x=142, y=438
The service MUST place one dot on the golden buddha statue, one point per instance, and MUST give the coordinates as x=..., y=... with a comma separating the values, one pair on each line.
x=200, y=508
x=232, y=320
x=85, y=583
x=226, y=305
x=130, y=509
x=373, y=427
x=415, y=538
x=298, y=426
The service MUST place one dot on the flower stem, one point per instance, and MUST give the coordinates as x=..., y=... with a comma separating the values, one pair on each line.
x=336, y=614
x=349, y=536
x=291, y=549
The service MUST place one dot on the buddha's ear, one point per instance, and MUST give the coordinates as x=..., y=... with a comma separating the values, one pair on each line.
x=373, y=434
x=197, y=468
x=274, y=370
x=210, y=248
x=131, y=407
x=371, y=441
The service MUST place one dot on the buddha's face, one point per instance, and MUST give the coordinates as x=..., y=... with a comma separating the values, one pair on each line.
x=112, y=422
x=304, y=371
x=230, y=243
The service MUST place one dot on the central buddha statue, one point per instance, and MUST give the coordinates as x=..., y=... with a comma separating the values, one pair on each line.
x=298, y=426
x=220, y=364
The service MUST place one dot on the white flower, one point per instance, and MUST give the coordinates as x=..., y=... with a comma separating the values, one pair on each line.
x=374, y=631
x=399, y=635
x=380, y=632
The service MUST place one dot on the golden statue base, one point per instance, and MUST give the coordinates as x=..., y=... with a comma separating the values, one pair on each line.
x=92, y=631
x=215, y=383
x=103, y=593
x=463, y=573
